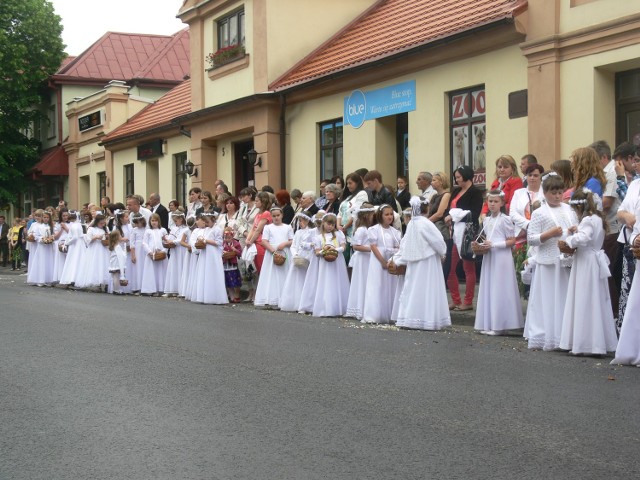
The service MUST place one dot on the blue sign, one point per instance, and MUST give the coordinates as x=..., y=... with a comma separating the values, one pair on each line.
x=361, y=106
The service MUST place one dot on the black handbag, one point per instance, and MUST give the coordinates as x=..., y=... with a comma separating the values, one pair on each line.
x=469, y=236
x=627, y=251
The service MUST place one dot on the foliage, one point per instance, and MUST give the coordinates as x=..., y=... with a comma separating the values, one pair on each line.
x=225, y=55
x=31, y=49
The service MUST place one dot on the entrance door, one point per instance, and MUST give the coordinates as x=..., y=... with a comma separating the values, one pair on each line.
x=243, y=171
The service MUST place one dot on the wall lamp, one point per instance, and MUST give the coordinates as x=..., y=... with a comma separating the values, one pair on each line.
x=191, y=171
x=253, y=158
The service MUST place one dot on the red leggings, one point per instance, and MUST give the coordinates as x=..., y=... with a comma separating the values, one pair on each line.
x=469, y=267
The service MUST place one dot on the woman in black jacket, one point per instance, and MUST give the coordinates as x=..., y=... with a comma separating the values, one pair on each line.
x=465, y=196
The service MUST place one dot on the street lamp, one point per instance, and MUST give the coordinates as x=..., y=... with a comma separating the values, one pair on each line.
x=253, y=158
x=191, y=171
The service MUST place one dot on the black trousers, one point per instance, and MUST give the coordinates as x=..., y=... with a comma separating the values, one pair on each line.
x=4, y=253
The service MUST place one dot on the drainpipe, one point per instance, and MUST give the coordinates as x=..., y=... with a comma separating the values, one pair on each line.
x=283, y=142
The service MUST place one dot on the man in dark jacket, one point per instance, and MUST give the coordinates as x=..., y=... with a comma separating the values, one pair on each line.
x=161, y=210
x=380, y=194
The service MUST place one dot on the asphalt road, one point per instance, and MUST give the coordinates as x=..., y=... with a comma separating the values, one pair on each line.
x=100, y=387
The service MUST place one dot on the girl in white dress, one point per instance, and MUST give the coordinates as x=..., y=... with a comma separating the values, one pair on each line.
x=384, y=240
x=332, y=292
x=76, y=249
x=423, y=302
x=117, y=261
x=60, y=232
x=95, y=272
x=276, y=238
x=176, y=260
x=122, y=225
x=210, y=287
x=499, y=307
x=302, y=249
x=308, y=292
x=359, y=262
x=155, y=258
x=549, y=223
x=197, y=236
x=32, y=244
x=42, y=262
x=587, y=325
x=136, y=252
x=628, y=351
x=186, y=262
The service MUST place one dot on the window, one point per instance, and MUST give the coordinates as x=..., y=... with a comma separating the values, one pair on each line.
x=128, y=180
x=231, y=29
x=331, y=149
x=39, y=195
x=102, y=185
x=181, y=177
x=27, y=203
x=51, y=117
x=468, y=131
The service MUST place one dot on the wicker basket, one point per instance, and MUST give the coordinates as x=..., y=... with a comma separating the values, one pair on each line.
x=200, y=244
x=124, y=282
x=394, y=269
x=300, y=262
x=330, y=255
x=31, y=238
x=62, y=248
x=479, y=248
x=105, y=242
x=159, y=255
x=279, y=258
x=168, y=245
x=565, y=248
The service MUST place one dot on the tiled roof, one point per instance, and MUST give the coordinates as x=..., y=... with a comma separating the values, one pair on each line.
x=128, y=56
x=53, y=162
x=174, y=103
x=390, y=27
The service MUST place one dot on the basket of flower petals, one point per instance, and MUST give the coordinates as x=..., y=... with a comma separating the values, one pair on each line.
x=279, y=258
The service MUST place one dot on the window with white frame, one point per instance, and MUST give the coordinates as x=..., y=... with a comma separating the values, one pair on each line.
x=129, y=188
x=51, y=117
x=331, y=149
x=181, y=177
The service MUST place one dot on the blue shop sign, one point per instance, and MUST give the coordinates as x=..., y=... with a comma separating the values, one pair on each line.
x=361, y=106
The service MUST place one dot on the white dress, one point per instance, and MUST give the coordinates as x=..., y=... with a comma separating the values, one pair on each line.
x=499, y=307
x=126, y=235
x=272, y=276
x=186, y=263
x=192, y=270
x=423, y=303
x=210, y=287
x=95, y=271
x=59, y=257
x=545, y=309
x=41, y=263
x=176, y=261
x=628, y=351
x=588, y=325
x=76, y=251
x=359, y=264
x=302, y=246
x=155, y=271
x=308, y=292
x=332, y=292
x=381, y=285
x=137, y=269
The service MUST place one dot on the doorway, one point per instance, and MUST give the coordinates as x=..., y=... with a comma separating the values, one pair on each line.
x=244, y=173
x=628, y=107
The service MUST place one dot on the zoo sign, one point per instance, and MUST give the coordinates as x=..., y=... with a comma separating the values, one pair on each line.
x=361, y=106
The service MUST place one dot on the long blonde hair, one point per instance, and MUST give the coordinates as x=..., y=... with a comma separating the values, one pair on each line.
x=586, y=164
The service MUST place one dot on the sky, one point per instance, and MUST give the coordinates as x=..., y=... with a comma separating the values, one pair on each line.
x=85, y=21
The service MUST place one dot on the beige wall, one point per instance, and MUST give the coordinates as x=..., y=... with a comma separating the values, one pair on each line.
x=588, y=96
x=373, y=145
x=594, y=12
x=150, y=176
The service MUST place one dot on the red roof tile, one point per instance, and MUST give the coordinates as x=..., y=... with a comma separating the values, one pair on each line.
x=172, y=104
x=53, y=162
x=393, y=26
x=128, y=56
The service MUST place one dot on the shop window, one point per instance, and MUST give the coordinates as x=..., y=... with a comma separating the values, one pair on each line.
x=51, y=117
x=128, y=180
x=331, y=149
x=231, y=29
x=181, y=177
x=468, y=131
x=102, y=185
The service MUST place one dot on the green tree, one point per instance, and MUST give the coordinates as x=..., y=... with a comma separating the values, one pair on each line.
x=31, y=49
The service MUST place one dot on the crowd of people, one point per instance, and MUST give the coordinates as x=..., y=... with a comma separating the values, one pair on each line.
x=566, y=238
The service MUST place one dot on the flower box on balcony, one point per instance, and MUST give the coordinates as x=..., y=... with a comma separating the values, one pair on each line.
x=225, y=55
